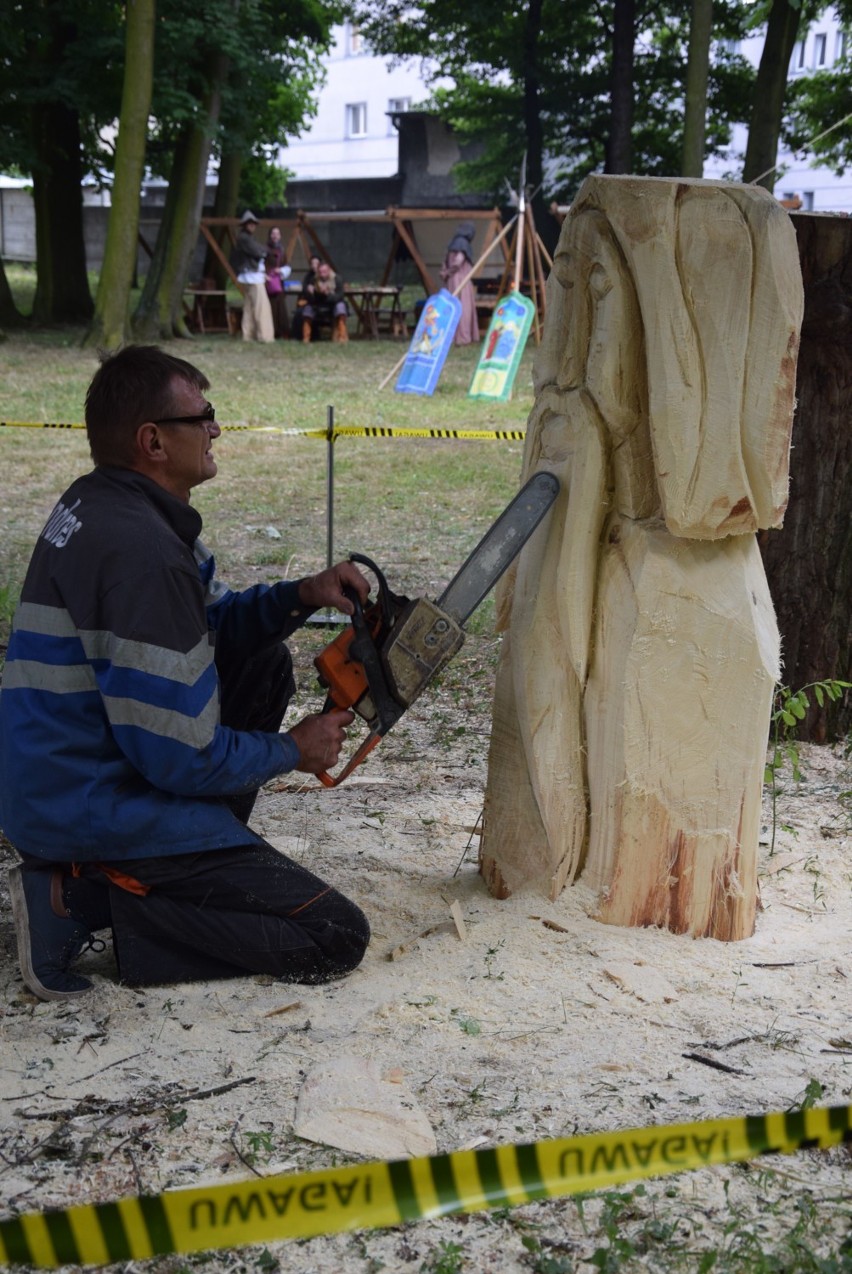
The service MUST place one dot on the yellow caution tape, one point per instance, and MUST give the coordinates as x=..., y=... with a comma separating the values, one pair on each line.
x=343, y=431
x=306, y=1204
x=40, y=424
x=381, y=431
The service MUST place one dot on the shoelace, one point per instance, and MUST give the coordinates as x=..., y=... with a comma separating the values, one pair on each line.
x=93, y=944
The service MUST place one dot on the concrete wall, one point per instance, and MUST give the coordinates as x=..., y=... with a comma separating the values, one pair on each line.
x=17, y=225
x=428, y=153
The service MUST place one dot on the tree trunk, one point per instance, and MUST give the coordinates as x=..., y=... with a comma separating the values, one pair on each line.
x=619, y=157
x=809, y=561
x=532, y=125
x=62, y=289
x=697, y=69
x=224, y=205
x=10, y=315
x=111, y=327
x=159, y=314
x=636, y=677
x=769, y=91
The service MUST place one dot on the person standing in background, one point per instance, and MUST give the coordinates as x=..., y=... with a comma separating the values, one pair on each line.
x=455, y=273
x=247, y=261
x=277, y=271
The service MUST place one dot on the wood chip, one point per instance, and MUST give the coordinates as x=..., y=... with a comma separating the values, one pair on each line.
x=285, y=1008
x=461, y=927
x=446, y=926
x=551, y=924
x=347, y=1102
x=638, y=979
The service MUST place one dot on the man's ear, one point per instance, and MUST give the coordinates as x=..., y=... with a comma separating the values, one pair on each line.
x=149, y=442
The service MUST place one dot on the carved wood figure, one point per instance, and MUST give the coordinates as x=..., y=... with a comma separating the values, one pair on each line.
x=636, y=676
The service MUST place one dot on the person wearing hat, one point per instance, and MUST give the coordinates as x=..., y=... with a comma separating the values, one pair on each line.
x=247, y=261
x=455, y=273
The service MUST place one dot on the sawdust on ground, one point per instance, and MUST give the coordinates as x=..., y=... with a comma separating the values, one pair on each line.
x=541, y=1023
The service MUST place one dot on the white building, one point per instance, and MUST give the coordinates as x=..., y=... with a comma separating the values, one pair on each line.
x=353, y=134
x=821, y=46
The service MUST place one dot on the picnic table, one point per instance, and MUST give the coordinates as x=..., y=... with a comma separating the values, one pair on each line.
x=377, y=309
x=207, y=310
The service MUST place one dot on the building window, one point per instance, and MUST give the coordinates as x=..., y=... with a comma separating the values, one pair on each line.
x=808, y=200
x=396, y=106
x=354, y=40
x=797, y=57
x=819, y=49
x=842, y=46
x=356, y=119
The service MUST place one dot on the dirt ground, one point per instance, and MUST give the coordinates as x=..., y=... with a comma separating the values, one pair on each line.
x=541, y=1023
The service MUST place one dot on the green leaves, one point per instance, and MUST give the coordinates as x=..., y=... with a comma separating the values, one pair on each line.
x=789, y=710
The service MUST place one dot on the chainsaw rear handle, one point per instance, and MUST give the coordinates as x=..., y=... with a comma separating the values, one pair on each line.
x=371, y=741
x=350, y=667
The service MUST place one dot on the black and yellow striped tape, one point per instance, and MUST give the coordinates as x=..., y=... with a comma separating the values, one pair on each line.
x=360, y=1196
x=343, y=431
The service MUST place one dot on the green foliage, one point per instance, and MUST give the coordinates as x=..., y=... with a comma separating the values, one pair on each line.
x=561, y=72
x=446, y=1259
x=821, y=104
x=69, y=55
x=789, y=710
x=813, y=1093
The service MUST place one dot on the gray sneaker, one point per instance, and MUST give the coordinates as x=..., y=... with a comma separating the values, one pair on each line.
x=47, y=942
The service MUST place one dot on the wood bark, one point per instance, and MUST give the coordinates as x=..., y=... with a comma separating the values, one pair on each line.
x=770, y=87
x=10, y=315
x=111, y=323
x=159, y=314
x=695, y=95
x=636, y=676
x=62, y=287
x=809, y=560
x=619, y=149
x=224, y=205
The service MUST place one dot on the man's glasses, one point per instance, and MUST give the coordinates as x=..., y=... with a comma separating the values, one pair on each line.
x=206, y=417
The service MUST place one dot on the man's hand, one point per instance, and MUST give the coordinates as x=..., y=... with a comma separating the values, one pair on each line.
x=326, y=588
x=320, y=738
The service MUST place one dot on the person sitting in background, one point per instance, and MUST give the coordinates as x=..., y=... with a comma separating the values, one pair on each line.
x=277, y=271
x=305, y=295
x=455, y=273
x=247, y=260
x=324, y=302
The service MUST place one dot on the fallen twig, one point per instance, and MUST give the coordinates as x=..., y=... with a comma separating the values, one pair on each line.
x=711, y=1061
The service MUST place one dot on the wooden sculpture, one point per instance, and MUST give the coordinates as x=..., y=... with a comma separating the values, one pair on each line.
x=636, y=676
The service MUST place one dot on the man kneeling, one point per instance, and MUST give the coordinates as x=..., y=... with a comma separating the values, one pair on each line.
x=140, y=712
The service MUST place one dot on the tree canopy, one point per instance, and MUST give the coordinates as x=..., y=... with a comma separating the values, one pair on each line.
x=566, y=52
x=62, y=63
x=820, y=106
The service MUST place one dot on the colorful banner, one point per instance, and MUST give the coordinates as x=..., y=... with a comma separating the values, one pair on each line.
x=504, y=344
x=430, y=344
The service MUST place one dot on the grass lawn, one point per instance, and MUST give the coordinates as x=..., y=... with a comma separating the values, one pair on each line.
x=415, y=505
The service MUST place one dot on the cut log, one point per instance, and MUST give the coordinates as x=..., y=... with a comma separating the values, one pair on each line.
x=635, y=683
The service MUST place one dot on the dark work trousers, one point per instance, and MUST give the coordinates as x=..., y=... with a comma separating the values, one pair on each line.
x=246, y=909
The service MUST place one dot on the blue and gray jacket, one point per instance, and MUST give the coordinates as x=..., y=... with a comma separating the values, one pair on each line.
x=110, y=740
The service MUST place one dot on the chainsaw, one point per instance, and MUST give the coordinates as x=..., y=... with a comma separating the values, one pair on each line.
x=394, y=647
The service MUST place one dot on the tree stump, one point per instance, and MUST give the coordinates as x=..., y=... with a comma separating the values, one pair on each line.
x=809, y=560
x=636, y=676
